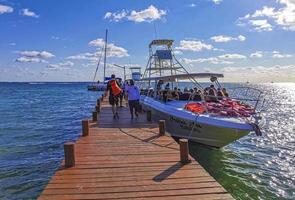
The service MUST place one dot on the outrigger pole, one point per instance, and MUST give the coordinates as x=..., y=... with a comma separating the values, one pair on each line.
x=122, y=67
x=191, y=77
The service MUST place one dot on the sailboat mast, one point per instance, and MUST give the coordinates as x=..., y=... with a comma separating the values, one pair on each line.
x=105, y=55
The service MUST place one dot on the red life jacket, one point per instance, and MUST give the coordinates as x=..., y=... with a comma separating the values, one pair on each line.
x=116, y=90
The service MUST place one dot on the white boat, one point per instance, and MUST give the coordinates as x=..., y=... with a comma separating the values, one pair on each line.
x=208, y=128
x=97, y=87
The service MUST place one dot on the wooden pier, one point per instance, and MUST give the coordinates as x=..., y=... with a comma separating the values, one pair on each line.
x=129, y=159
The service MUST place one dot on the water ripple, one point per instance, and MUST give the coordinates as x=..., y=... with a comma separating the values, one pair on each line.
x=259, y=167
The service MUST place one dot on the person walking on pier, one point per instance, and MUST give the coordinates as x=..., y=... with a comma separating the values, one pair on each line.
x=133, y=98
x=114, y=94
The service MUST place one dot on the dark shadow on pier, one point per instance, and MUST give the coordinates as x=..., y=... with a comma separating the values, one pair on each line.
x=151, y=138
x=168, y=172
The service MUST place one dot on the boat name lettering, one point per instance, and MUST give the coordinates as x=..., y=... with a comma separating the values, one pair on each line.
x=186, y=124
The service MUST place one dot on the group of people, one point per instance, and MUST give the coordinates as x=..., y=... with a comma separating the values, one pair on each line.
x=194, y=94
x=118, y=90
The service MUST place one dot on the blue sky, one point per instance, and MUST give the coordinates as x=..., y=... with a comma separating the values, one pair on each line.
x=54, y=40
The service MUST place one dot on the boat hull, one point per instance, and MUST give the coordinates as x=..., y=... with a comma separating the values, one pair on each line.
x=210, y=135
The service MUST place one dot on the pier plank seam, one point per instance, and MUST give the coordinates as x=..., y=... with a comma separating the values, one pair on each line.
x=130, y=159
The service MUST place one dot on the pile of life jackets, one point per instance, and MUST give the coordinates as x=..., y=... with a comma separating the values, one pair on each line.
x=195, y=108
x=226, y=107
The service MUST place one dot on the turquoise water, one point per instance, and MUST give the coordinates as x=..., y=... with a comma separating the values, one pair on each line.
x=36, y=119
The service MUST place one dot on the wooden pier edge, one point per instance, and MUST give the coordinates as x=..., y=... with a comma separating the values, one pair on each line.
x=129, y=159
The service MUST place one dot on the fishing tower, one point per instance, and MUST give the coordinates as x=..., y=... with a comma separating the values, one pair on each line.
x=163, y=65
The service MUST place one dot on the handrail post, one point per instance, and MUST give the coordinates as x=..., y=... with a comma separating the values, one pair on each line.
x=85, y=127
x=162, y=127
x=94, y=116
x=98, y=102
x=97, y=109
x=69, y=150
x=184, y=151
x=149, y=115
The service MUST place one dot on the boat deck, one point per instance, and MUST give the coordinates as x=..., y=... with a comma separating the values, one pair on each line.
x=127, y=159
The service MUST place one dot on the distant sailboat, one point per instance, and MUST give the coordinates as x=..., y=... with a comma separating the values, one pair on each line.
x=100, y=86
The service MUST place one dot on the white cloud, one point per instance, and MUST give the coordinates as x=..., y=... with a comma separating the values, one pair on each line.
x=131, y=65
x=55, y=37
x=192, y=5
x=108, y=15
x=257, y=54
x=212, y=60
x=85, y=56
x=260, y=73
x=232, y=56
x=97, y=42
x=5, y=9
x=273, y=54
x=283, y=17
x=94, y=57
x=39, y=54
x=241, y=38
x=224, y=38
x=117, y=16
x=112, y=51
x=91, y=64
x=217, y=49
x=34, y=56
x=177, y=52
x=277, y=54
x=260, y=25
x=60, y=66
x=221, y=38
x=29, y=13
x=147, y=15
x=217, y=1
x=265, y=11
x=115, y=51
x=30, y=60
x=193, y=45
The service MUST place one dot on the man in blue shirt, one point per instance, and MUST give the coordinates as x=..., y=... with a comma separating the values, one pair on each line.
x=133, y=98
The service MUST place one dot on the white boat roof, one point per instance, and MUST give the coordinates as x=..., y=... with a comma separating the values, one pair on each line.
x=166, y=42
x=184, y=76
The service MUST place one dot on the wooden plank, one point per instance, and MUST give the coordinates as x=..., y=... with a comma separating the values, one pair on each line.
x=116, y=195
x=127, y=159
x=141, y=182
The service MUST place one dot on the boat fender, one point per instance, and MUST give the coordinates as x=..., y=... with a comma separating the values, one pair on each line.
x=115, y=88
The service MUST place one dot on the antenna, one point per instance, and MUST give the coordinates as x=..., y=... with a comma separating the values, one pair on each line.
x=129, y=61
x=155, y=30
